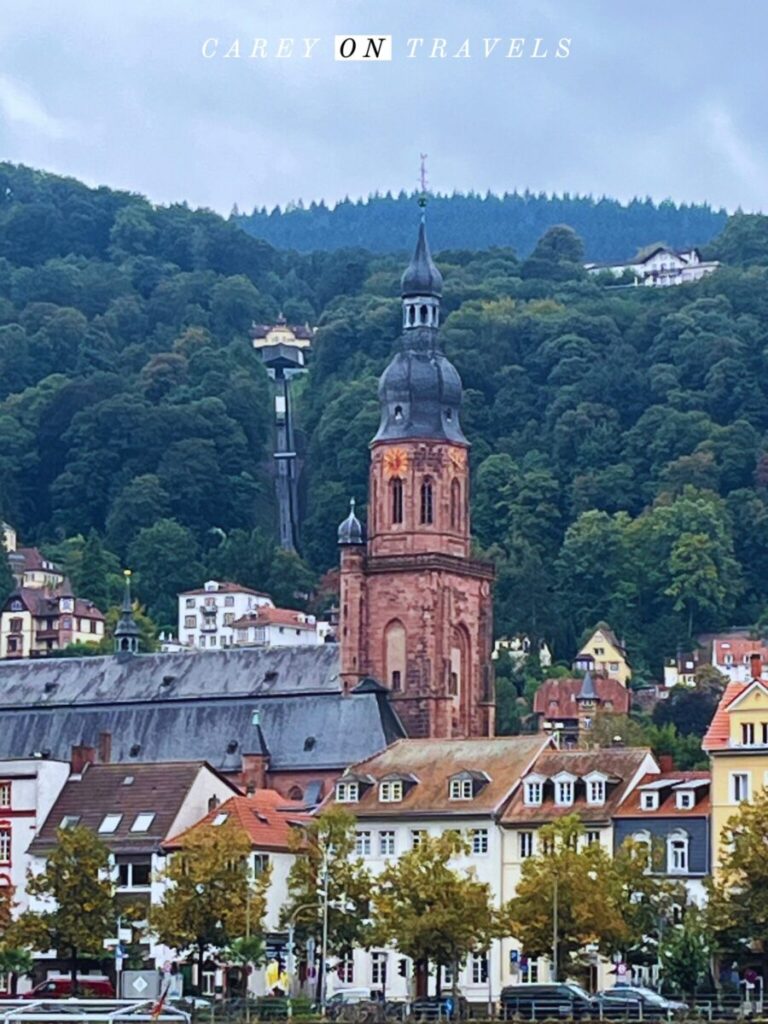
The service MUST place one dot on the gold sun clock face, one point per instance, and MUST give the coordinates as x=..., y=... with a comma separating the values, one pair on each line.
x=395, y=462
x=457, y=458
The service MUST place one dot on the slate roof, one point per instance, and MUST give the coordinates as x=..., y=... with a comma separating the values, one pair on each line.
x=669, y=783
x=176, y=706
x=557, y=698
x=620, y=764
x=45, y=602
x=102, y=789
x=434, y=762
x=266, y=816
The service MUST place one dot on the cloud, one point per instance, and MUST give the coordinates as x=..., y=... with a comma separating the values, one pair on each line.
x=735, y=149
x=20, y=107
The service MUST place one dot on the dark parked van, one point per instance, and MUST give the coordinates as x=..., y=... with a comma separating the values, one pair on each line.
x=539, y=1002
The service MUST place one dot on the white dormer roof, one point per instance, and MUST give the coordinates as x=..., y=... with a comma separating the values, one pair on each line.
x=563, y=777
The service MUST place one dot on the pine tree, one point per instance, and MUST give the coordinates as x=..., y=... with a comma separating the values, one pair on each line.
x=7, y=582
x=92, y=581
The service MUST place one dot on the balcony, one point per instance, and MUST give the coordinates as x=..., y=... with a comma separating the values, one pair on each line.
x=46, y=634
x=209, y=609
x=208, y=627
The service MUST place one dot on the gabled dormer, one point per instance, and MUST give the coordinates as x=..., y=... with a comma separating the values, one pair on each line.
x=395, y=786
x=351, y=787
x=465, y=785
x=533, y=789
x=565, y=788
x=748, y=717
x=596, y=784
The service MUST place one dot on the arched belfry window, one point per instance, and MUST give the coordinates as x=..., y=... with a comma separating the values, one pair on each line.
x=427, y=501
x=455, y=504
x=396, y=494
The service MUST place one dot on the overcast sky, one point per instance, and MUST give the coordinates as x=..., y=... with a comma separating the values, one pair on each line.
x=667, y=100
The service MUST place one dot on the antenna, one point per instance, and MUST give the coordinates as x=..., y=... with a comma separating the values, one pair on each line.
x=423, y=180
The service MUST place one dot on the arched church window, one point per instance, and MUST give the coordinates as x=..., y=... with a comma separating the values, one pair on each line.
x=427, y=508
x=411, y=314
x=455, y=504
x=424, y=314
x=394, y=654
x=396, y=489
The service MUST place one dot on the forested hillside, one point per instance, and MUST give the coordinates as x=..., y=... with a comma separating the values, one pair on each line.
x=620, y=436
x=610, y=230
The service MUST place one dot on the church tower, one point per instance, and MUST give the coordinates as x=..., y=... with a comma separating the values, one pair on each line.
x=416, y=611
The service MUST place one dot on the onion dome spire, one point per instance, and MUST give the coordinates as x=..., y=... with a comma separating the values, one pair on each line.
x=127, y=632
x=351, y=529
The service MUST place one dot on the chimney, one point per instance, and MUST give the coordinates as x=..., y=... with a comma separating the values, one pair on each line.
x=666, y=762
x=81, y=756
x=756, y=665
x=105, y=747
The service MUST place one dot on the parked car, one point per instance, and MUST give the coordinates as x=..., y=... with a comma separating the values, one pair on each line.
x=638, y=1003
x=346, y=996
x=539, y=1002
x=90, y=986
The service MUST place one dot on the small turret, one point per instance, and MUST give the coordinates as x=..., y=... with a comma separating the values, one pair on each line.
x=127, y=632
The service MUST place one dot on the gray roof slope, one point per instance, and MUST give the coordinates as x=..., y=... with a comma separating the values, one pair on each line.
x=344, y=730
x=161, y=677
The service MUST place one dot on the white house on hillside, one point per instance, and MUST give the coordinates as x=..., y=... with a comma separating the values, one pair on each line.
x=661, y=267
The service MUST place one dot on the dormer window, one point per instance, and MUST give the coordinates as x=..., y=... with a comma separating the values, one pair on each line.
x=684, y=799
x=564, y=784
x=595, y=783
x=347, y=792
x=391, y=792
x=533, y=792
x=649, y=801
x=460, y=789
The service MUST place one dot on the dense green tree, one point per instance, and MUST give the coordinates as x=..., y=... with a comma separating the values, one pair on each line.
x=164, y=558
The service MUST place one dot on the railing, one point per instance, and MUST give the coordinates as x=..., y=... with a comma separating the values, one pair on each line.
x=97, y=1010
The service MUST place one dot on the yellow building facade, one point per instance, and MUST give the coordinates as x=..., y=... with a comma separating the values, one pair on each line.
x=604, y=655
x=737, y=743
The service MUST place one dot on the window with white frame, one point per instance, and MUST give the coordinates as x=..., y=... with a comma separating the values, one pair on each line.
x=533, y=792
x=564, y=792
x=417, y=835
x=479, y=968
x=460, y=789
x=677, y=853
x=363, y=844
x=525, y=844
x=739, y=787
x=5, y=844
x=142, y=821
x=480, y=840
x=649, y=800
x=748, y=734
x=5, y=794
x=347, y=792
x=134, y=874
x=391, y=792
x=684, y=799
x=346, y=971
x=378, y=968
x=448, y=974
x=387, y=843
x=591, y=838
x=596, y=791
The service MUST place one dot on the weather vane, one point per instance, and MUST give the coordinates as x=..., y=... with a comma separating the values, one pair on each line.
x=423, y=180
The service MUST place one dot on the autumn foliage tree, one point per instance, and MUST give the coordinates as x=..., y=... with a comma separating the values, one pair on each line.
x=76, y=898
x=211, y=899
x=431, y=911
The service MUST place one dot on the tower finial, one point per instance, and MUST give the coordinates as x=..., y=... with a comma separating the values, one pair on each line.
x=423, y=180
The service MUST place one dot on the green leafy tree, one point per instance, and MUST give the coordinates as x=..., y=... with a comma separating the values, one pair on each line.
x=737, y=906
x=7, y=582
x=685, y=954
x=326, y=852
x=77, y=896
x=93, y=579
x=431, y=911
x=211, y=901
x=164, y=558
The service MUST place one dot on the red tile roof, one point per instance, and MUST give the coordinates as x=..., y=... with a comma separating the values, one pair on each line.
x=739, y=647
x=667, y=807
x=45, y=602
x=266, y=816
x=719, y=731
x=266, y=616
x=34, y=559
x=556, y=698
x=620, y=764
